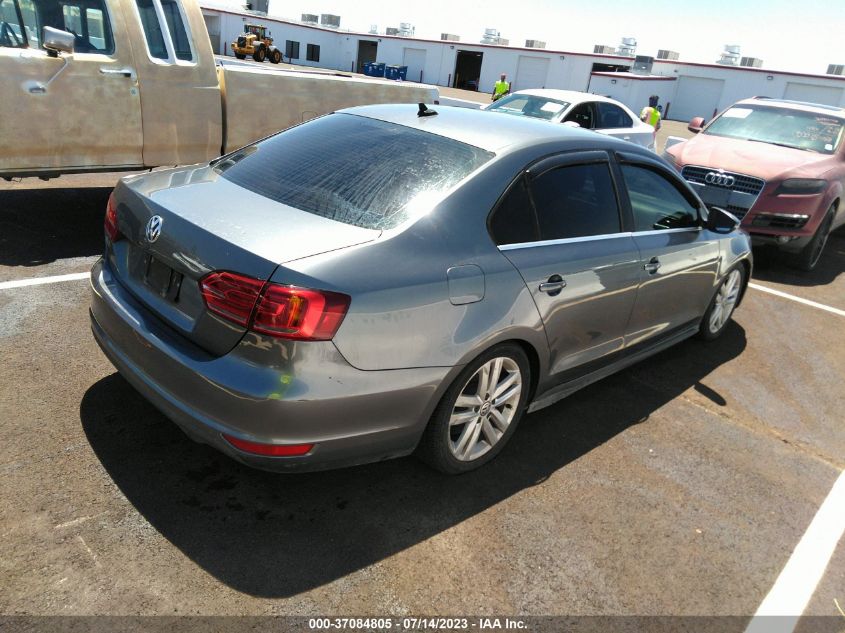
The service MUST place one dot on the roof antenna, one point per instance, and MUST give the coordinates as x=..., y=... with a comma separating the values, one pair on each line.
x=424, y=111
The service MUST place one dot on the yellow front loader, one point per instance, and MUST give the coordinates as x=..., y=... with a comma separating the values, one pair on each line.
x=254, y=42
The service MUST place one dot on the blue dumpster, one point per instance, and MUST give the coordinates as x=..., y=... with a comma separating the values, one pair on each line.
x=391, y=72
x=402, y=72
x=378, y=70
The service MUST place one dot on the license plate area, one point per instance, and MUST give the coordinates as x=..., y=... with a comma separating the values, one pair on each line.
x=162, y=279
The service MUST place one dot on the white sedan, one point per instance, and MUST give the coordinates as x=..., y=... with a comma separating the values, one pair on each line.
x=593, y=112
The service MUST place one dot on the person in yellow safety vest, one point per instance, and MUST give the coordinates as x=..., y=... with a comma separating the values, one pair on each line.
x=501, y=88
x=651, y=116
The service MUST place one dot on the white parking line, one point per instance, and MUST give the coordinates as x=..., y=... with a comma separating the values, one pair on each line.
x=37, y=281
x=795, y=586
x=807, y=302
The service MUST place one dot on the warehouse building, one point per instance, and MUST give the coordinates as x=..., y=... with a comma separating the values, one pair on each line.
x=685, y=89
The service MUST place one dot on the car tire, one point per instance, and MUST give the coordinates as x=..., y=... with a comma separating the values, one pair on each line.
x=808, y=259
x=721, y=308
x=468, y=428
x=240, y=55
x=260, y=54
x=275, y=56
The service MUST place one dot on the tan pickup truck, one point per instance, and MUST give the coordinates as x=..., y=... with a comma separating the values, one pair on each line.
x=107, y=85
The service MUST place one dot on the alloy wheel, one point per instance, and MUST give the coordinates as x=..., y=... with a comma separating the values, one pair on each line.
x=485, y=408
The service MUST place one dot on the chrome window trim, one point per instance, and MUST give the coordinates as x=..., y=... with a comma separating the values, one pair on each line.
x=592, y=238
x=567, y=240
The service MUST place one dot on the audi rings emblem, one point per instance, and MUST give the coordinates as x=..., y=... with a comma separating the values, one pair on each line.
x=153, y=229
x=720, y=179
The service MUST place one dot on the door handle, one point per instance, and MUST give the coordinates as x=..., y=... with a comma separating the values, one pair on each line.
x=123, y=72
x=652, y=266
x=553, y=286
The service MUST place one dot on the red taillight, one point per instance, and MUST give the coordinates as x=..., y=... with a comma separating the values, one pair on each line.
x=110, y=222
x=299, y=313
x=230, y=295
x=274, y=309
x=270, y=450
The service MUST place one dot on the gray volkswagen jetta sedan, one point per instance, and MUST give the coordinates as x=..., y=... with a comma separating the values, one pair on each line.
x=391, y=279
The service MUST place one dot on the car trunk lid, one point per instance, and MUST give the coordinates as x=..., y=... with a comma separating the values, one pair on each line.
x=206, y=228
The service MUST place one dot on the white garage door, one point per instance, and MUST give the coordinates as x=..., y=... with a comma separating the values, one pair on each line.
x=828, y=95
x=531, y=72
x=414, y=59
x=696, y=96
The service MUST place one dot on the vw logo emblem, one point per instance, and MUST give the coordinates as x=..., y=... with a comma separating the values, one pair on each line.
x=720, y=179
x=153, y=228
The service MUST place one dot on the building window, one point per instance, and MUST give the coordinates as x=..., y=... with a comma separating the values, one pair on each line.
x=291, y=49
x=313, y=53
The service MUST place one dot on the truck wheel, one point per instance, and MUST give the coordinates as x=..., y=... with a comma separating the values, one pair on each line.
x=808, y=259
x=240, y=55
x=260, y=54
x=276, y=56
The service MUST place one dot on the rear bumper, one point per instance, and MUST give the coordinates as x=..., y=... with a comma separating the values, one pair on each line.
x=264, y=390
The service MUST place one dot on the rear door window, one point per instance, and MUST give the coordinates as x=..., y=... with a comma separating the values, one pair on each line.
x=612, y=116
x=12, y=31
x=656, y=203
x=576, y=201
x=171, y=34
x=353, y=169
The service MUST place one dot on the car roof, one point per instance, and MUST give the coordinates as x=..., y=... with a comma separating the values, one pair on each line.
x=805, y=106
x=572, y=96
x=486, y=130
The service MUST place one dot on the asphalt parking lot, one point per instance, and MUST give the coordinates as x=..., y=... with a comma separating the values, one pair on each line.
x=680, y=486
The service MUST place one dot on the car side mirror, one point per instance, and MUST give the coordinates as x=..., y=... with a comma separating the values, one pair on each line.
x=696, y=124
x=56, y=41
x=721, y=221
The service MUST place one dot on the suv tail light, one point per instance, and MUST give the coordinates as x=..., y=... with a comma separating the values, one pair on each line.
x=110, y=222
x=273, y=309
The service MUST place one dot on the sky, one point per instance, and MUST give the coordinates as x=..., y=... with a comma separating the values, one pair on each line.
x=793, y=35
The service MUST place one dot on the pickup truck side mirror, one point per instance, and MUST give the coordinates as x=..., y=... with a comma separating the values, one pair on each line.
x=720, y=221
x=696, y=124
x=56, y=41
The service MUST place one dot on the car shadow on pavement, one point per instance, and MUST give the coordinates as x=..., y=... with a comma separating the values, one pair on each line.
x=38, y=226
x=774, y=267
x=274, y=535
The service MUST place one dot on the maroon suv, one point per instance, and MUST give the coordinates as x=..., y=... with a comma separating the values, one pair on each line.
x=779, y=166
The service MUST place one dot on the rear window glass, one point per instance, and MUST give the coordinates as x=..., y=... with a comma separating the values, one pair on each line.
x=355, y=170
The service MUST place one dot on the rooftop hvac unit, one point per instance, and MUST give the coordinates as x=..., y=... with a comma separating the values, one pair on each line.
x=391, y=30
x=492, y=36
x=643, y=65
x=330, y=21
x=448, y=37
x=628, y=47
x=257, y=6
x=373, y=29
x=535, y=44
x=310, y=18
x=665, y=54
x=836, y=69
x=730, y=56
x=601, y=49
x=751, y=62
x=406, y=29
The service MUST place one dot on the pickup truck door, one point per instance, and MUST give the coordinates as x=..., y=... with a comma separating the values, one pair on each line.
x=181, y=103
x=72, y=112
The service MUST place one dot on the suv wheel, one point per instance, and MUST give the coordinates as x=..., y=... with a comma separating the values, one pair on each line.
x=479, y=412
x=808, y=259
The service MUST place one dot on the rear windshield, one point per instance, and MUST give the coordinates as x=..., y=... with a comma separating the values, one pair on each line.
x=355, y=170
x=529, y=105
x=780, y=126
